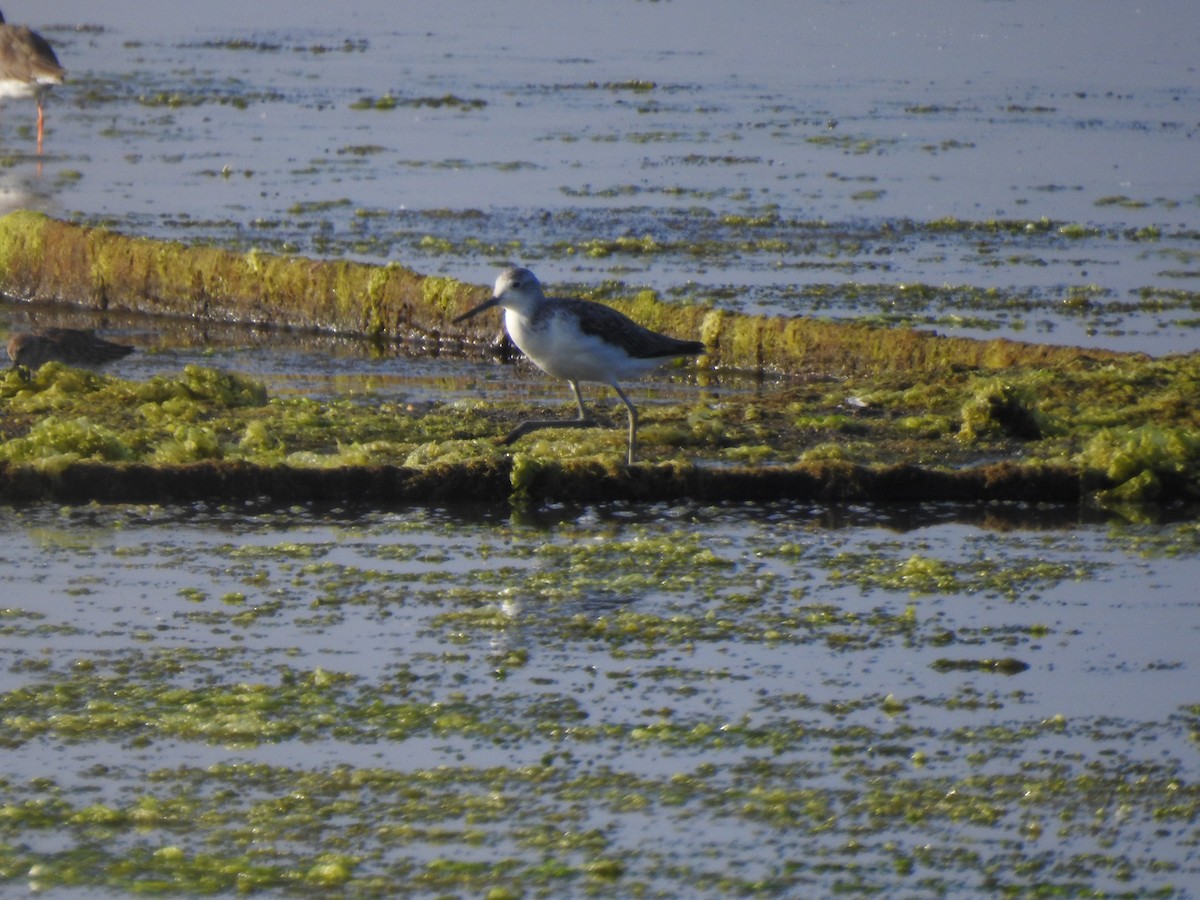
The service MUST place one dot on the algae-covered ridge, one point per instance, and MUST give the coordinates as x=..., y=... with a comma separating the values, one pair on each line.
x=859, y=413
x=47, y=259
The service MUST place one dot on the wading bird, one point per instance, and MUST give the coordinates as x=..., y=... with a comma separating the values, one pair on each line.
x=73, y=346
x=28, y=67
x=578, y=340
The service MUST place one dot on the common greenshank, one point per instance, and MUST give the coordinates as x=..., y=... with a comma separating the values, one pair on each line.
x=578, y=340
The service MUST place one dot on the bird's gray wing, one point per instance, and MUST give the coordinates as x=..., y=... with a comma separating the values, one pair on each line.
x=617, y=328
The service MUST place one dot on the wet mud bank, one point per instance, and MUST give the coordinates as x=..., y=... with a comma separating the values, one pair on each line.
x=525, y=480
x=48, y=260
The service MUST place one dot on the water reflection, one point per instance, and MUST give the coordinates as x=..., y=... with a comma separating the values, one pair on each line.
x=17, y=191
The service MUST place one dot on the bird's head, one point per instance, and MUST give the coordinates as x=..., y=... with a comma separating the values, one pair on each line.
x=516, y=289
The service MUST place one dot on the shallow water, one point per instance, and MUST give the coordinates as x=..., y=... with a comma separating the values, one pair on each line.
x=766, y=161
x=749, y=651
x=606, y=700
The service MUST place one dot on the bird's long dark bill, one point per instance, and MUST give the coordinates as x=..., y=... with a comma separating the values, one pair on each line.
x=487, y=304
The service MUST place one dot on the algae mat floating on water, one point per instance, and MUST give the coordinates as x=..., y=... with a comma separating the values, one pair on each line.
x=895, y=416
x=773, y=700
x=1120, y=432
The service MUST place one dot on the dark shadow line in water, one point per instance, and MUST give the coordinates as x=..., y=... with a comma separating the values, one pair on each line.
x=900, y=498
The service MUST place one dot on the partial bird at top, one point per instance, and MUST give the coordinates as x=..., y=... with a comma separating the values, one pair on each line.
x=28, y=67
x=578, y=340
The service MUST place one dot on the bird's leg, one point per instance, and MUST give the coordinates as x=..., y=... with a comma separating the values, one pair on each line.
x=41, y=124
x=633, y=421
x=584, y=421
x=583, y=416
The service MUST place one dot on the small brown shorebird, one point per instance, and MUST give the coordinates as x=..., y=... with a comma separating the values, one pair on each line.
x=578, y=340
x=73, y=346
x=28, y=67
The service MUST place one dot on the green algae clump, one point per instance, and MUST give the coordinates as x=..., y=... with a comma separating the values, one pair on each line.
x=999, y=407
x=99, y=418
x=58, y=441
x=447, y=296
x=1139, y=459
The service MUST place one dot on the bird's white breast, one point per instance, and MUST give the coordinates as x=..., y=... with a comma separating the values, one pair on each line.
x=11, y=87
x=559, y=347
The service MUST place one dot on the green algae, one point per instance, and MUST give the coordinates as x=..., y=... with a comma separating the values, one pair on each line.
x=41, y=258
x=1123, y=426
x=446, y=295
x=999, y=407
x=1006, y=666
x=1147, y=452
x=856, y=145
x=923, y=575
x=539, y=720
x=98, y=268
x=1123, y=431
x=390, y=102
x=531, y=821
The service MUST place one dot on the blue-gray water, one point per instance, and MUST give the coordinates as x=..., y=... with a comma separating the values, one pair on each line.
x=534, y=132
